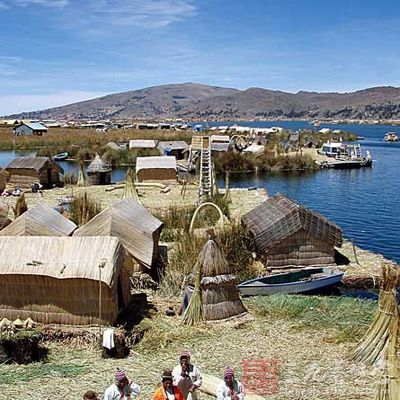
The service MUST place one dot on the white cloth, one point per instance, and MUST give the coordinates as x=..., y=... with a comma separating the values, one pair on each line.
x=184, y=383
x=224, y=393
x=129, y=392
x=108, y=339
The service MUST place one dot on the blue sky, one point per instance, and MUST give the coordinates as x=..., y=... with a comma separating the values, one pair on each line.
x=54, y=52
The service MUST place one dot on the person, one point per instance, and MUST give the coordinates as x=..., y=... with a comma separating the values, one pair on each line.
x=122, y=389
x=90, y=395
x=17, y=192
x=230, y=388
x=167, y=391
x=187, y=377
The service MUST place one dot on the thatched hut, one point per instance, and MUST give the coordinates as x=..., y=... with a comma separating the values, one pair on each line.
x=288, y=234
x=41, y=220
x=3, y=179
x=156, y=168
x=57, y=279
x=25, y=171
x=219, y=294
x=99, y=172
x=137, y=229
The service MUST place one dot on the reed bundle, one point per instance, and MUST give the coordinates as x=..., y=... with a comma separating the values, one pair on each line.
x=20, y=206
x=130, y=189
x=373, y=347
x=81, y=176
x=194, y=312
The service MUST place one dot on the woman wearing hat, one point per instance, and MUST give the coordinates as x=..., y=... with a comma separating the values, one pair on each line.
x=167, y=391
x=122, y=388
x=230, y=388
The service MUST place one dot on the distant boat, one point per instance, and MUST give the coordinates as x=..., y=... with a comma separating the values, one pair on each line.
x=60, y=156
x=346, y=156
x=302, y=281
x=391, y=137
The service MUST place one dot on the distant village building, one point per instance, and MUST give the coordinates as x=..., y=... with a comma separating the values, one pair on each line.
x=25, y=171
x=177, y=148
x=29, y=129
x=288, y=234
x=220, y=143
x=99, y=172
x=141, y=144
x=156, y=168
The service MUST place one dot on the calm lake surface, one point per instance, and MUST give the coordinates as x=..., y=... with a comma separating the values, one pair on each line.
x=364, y=202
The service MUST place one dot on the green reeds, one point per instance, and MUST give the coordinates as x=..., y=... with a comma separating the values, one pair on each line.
x=81, y=176
x=83, y=209
x=194, y=312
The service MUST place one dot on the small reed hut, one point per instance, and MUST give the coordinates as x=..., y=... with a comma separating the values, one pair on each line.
x=99, y=172
x=137, y=229
x=288, y=234
x=25, y=171
x=156, y=168
x=219, y=294
x=57, y=280
x=41, y=220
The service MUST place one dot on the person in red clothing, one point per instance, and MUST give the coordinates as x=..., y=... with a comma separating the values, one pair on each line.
x=167, y=391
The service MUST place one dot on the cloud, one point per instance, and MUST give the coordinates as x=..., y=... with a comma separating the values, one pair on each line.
x=44, y=3
x=11, y=104
x=3, y=6
x=99, y=15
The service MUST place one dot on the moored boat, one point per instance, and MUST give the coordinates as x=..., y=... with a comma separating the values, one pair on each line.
x=60, y=156
x=302, y=281
x=391, y=137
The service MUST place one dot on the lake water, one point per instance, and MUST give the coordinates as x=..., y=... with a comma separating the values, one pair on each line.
x=364, y=202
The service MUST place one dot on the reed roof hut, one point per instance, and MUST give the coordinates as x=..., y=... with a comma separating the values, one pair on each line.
x=288, y=234
x=99, y=172
x=137, y=229
x=41, y=220
x=25, y=171
x=219, y=294
x=156, y=168
x=57, y=280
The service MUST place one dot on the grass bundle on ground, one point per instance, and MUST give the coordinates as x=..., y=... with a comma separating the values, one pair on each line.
x=81, y=176
x=83, y=209
x=374, y=345
x=130, y=189
x=20, y=206
x=215, y=295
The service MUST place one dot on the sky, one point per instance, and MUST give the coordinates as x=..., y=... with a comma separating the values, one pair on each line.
x=55, y=52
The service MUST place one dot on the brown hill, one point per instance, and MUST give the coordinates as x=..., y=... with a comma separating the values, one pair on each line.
x=196, y=101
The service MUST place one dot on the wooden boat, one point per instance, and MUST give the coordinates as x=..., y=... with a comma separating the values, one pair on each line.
x=60, y=156
x=302, y=281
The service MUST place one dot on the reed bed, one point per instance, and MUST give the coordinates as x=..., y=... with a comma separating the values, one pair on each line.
x=312, y=367
x=83, y=209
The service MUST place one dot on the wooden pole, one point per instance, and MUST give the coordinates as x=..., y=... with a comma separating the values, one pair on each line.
x=355, y=253
x=101, y=265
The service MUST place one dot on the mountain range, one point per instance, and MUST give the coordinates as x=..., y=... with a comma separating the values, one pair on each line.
x=192, y=101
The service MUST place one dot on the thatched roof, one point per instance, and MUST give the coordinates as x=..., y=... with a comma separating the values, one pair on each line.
x=137, y=229
x=173, y=145
x=143, y=144
x=36, y=163
x=61, y=257
x=279, y=217
x=113, y=146
x=98, y=165
x=157, y=162
x=41, y=220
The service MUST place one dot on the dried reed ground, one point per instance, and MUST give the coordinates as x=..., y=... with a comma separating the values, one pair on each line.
x=313, y=353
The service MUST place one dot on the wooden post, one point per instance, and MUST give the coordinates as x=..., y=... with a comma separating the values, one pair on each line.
x=354, y=250
x=101, y=265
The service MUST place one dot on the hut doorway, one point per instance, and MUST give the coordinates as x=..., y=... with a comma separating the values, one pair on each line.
x=49, y=174
x=103, y=178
